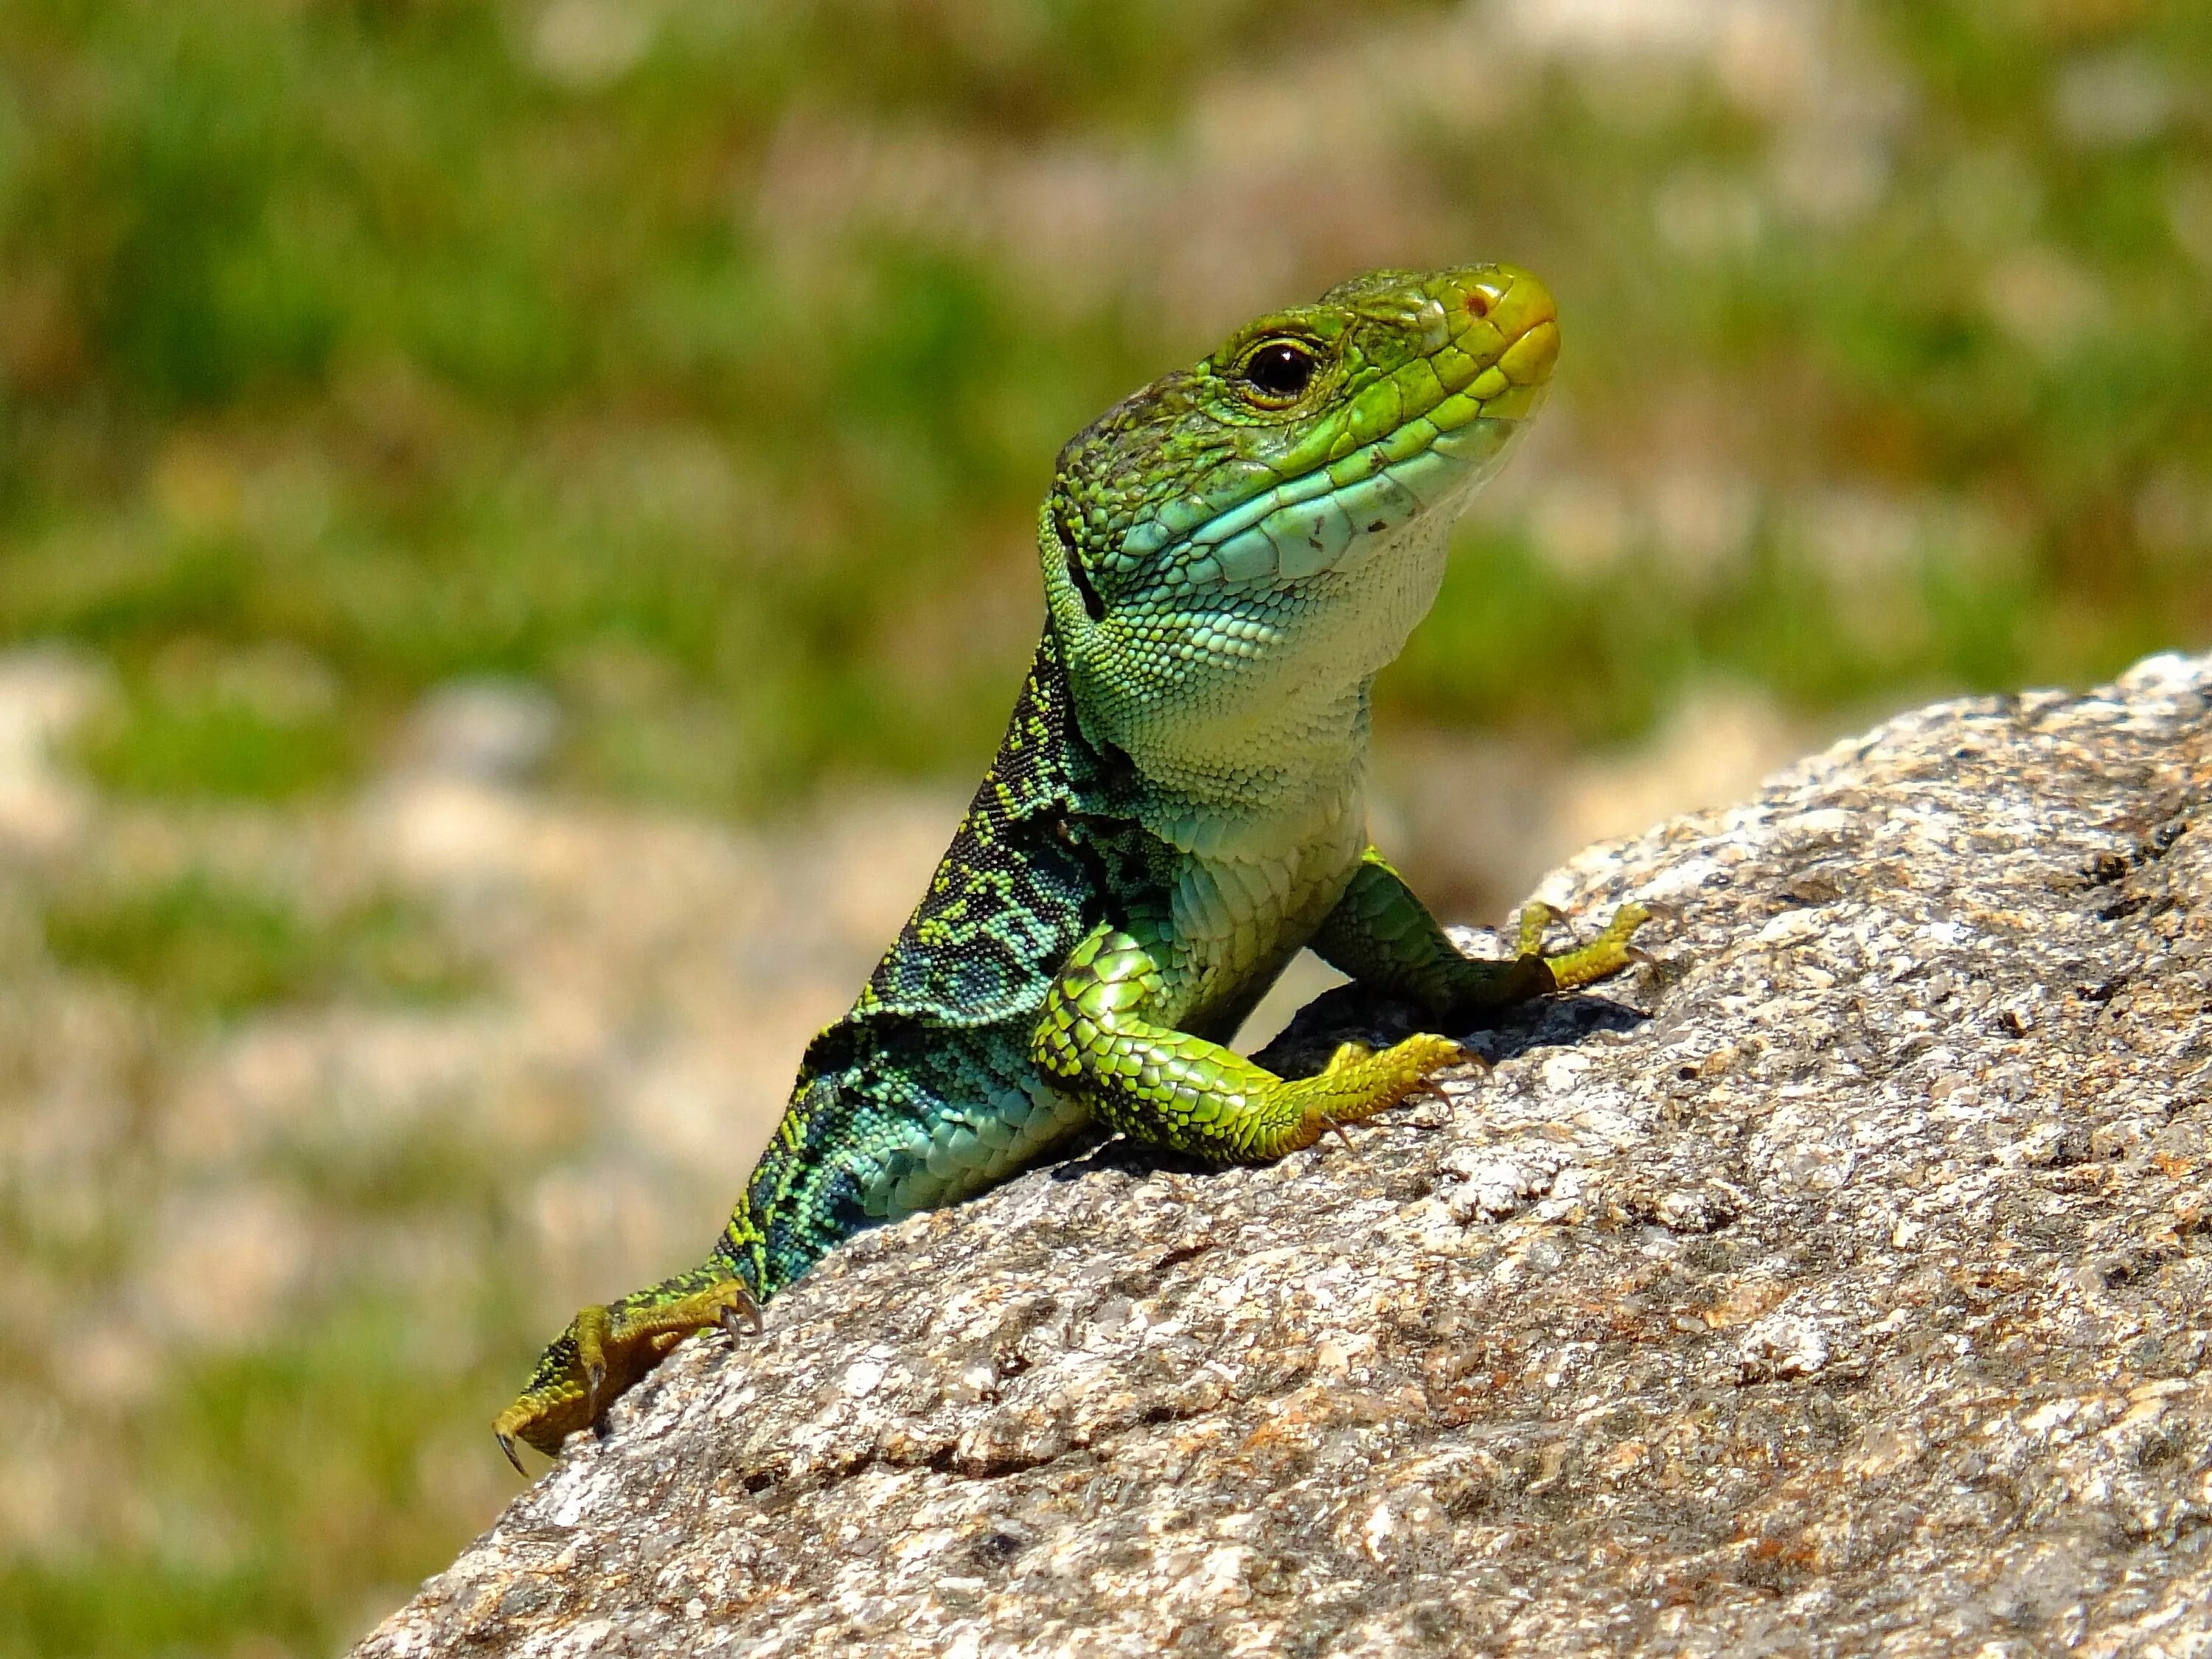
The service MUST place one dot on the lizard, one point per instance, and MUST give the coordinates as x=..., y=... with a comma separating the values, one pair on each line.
x=1229, y=556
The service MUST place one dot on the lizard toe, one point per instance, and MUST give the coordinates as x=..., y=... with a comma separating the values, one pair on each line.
x=607, y=1350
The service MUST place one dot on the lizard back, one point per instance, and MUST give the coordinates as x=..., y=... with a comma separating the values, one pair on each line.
x=923, y=1092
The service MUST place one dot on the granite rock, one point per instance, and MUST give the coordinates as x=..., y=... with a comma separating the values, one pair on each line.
x=1837, y=1282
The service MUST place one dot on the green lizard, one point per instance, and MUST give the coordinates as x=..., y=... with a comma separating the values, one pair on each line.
x=1229, y=557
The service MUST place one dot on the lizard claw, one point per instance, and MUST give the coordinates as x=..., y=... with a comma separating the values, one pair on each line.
x=741, y=1301
x=1337, y=1129
x=507, y=1445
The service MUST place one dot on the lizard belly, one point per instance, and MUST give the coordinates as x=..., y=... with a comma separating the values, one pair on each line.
x=1238, y=921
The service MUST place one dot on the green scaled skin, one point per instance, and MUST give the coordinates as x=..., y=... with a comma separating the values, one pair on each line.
x=1229, y=556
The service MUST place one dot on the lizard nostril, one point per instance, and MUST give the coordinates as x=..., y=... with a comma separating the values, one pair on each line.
x=1478, y=303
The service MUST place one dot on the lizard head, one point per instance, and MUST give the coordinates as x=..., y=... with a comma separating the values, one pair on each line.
x=1232, y=553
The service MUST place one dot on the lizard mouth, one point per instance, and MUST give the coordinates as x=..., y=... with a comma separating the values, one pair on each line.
x=1491, y=336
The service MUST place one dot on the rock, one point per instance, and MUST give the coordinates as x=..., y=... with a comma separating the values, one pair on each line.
x=1838, y=1281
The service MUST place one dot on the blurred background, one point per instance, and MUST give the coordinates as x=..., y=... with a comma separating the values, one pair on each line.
x=515, y=543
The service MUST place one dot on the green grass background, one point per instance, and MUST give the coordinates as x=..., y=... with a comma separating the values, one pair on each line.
x=381, y=340
x=702, y=360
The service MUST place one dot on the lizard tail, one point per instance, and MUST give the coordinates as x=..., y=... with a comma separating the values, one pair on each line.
x=803, y=1199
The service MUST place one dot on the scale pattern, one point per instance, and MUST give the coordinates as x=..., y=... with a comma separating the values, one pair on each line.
x=1229, y=558
x=1013, y=894
x=924, y=1093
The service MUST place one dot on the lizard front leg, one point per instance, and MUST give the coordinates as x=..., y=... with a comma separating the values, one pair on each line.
x=1383, y=936
x=1098, y=1041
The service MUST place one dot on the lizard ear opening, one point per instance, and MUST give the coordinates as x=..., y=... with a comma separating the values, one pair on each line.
x=1093, y=606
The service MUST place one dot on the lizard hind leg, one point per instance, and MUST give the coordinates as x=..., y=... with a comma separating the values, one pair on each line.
x=607, y=1350
x=1383, y=936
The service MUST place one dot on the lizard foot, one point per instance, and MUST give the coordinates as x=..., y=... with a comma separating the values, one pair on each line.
x=605, y=1352
x=1607, y=954
x=1358, y=1083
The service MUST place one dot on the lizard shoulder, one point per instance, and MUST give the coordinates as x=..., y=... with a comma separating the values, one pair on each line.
x=1020, y=884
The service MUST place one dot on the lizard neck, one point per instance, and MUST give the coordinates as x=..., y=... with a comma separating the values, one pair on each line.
x=1290, y=783
x=1244, y=712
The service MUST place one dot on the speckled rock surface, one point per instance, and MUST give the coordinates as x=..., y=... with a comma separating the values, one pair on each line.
x=1837, y=1283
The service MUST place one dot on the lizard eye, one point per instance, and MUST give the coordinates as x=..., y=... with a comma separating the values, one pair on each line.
x=1279, y=370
